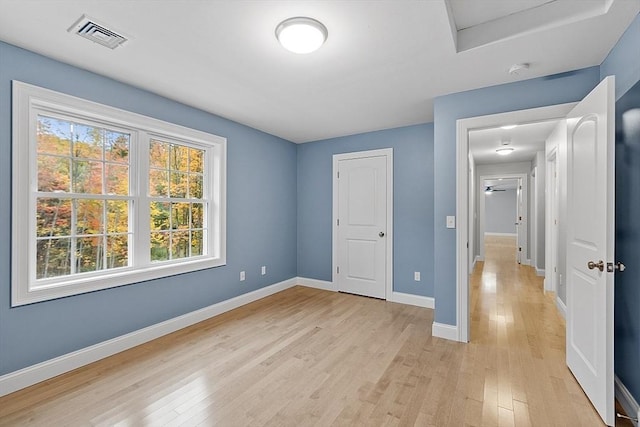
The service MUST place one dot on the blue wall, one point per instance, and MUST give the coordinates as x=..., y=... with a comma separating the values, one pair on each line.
x=624, y=62
x=261, y=224
x=533, y=93
x=412, y=204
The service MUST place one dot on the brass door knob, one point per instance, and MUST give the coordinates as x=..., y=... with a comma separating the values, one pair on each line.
x=593, y=265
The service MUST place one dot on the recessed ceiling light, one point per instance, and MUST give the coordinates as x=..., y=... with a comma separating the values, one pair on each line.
x=507, y=127
x=504, y=151
x=301, y=34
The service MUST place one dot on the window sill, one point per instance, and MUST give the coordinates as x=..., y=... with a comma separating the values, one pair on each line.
x=95, y=282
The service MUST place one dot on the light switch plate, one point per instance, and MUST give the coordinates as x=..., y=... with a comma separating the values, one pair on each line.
x=451, y=221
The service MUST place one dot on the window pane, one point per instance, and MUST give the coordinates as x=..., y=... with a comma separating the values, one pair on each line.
x=53, y=258
x=89, y=216
x=196, y=160
x=159, y=246
x=89, y=253
x=53, y=173
x=180, y=215
x=117, y=216
x=158, y=155
x=87, y=141
x=87, y=177
x=197, y=210
x=158, y=183
x=117, y=179
x=54, y=136
x=116, y=146
x=178, y=185
x=196, y=242
x=117, y=251
x=53, y=217
x=195, y=186
x=179, y=158
x=160, y=215
x=179, y=244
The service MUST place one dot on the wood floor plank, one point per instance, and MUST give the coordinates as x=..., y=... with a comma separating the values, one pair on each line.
x=307, y=357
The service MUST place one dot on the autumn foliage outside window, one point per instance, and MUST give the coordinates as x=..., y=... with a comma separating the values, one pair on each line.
x=103, y=197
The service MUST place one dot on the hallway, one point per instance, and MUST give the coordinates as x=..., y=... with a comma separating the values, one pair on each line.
x=518, y=339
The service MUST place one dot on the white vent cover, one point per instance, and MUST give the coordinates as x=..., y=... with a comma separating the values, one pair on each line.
x=90, y=29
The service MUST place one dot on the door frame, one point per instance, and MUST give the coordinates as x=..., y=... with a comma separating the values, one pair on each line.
x=551, y=233
x=522, y=180
x=388, y=154
x=463, y=126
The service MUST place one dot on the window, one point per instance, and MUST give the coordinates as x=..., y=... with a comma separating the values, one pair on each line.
x=103, y=197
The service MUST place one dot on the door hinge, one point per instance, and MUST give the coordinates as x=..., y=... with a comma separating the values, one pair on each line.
x=519, y=249
x=338, y=270
x=338, y=175
x=338, y=221
x=555, y=270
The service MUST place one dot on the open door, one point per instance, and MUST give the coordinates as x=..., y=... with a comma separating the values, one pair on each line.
x=590, y=244
x=521, y=223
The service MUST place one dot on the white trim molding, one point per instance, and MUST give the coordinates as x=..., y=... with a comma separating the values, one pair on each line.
x=410, y=299
x=442, y=330
x=317, y=284
x=540, y=272
x=490, y=233
x=34, y=374
x=627, y=401
x=562, y=308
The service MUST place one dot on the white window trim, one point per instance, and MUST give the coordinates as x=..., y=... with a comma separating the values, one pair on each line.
x=28, y=101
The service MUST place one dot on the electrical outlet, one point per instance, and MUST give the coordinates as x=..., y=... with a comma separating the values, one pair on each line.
x=263, y=271
x=416, y=276
x=242, y=276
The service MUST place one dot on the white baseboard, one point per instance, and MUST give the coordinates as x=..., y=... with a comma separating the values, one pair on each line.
x=441, y=330
x=417, y=300
x=34, y=374
x=489, y=233
x=399, y=297
x=540, y=272
x=561, y=307
x=627, y=401
x=318, y=284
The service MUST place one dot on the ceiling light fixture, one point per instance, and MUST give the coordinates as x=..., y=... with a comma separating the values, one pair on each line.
x=504, y=151
x=301, y=34
x=508, y=127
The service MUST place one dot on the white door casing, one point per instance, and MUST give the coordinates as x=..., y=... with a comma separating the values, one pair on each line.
x=362, y=223
x=462, y=195
x=521, y=177
x=521, y=221
x=590, y=238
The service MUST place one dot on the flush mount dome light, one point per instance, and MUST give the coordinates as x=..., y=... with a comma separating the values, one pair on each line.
x=301, y=34
x=504, y=151
x=508, y=127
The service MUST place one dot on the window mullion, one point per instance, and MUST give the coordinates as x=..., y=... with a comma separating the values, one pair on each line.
x=140, y=172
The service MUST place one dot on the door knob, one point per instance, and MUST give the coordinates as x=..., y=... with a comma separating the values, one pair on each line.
x=593, y=265
x=381, y=234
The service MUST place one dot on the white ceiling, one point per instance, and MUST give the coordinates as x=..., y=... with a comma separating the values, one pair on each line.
x=525, y=139
x=381, y=67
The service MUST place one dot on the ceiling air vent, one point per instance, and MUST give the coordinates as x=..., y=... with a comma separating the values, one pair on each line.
x=90, y=29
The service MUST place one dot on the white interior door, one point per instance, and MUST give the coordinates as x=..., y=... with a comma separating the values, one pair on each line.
x=521, y=223
x=362, y=226
x=590, y=238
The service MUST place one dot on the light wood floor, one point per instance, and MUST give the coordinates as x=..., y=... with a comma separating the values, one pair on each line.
x=310, y=357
